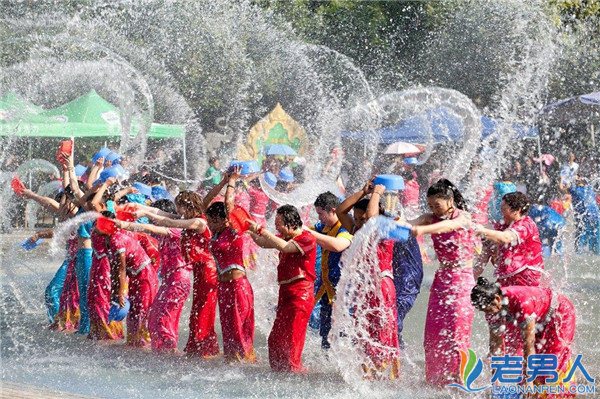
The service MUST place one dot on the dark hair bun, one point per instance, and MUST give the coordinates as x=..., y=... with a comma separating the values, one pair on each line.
x=483, y=281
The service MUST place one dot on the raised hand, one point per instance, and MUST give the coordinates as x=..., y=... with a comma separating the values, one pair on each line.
x=379, y=189
x=368, y=187
x=235, y=173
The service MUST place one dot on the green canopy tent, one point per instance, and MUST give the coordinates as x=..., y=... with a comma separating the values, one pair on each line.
x=14, y=107
x=87, y=116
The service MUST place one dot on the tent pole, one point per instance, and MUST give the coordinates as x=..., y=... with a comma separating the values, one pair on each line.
x=184, y=160
x=539, y=146
x=29, y=155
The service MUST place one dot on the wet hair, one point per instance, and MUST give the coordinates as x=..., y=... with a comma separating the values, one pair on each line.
x=89, y=196
x=190, y=200
x=59, y=196
x=517, y=201
x=108, y=214
x=255, y=182
x=282, y=186
x=444, y=189
x=327, y=201
x=217, y=210
x=484, y=293
x=165, y=205
x=363, y=204
x=290, y=216
x=110, y=193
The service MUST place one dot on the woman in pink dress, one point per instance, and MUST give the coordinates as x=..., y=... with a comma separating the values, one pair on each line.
x=519, y=259
x=99, y=292
x=195, y=248
x=135, y=277
x=175, y=287
x=259, y=202
x=545, y=319
x=449, y=314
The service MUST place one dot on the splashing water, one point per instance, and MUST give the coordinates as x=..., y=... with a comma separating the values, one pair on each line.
x=360, y=281
x=66, y=229
x=198, y=62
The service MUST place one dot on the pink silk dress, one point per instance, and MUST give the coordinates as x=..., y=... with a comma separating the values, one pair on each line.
x=521, y=262
x=449, y=312
x=553, y=314
x=142, y=285
x=175, y=287
x=99, y=293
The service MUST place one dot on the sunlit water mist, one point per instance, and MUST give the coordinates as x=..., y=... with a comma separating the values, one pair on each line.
x=66, y=230
x=235, y=61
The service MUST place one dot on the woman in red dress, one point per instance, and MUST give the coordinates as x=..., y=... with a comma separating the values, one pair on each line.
x=545, y=318
x=296, y=277
x=195, y=242
x=235, y=295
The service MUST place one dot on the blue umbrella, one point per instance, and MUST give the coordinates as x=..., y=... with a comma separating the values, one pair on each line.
x=490, y=127
x=585, y=107
x=280, y=149
x=438, y=125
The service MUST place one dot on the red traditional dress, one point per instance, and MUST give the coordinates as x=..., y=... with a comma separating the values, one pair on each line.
x=203, y=338
x=296, y=277
x=236, y=298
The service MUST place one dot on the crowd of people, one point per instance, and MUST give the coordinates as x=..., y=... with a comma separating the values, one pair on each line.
x=142, y=249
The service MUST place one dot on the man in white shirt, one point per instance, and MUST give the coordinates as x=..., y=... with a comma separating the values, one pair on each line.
x=568, y=172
